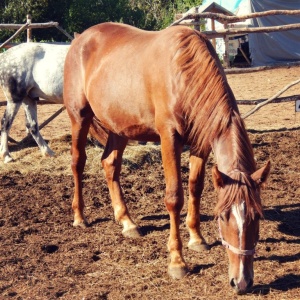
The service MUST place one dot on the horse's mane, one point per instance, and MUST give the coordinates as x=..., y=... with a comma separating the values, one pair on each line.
x=210, y=110
x=205, y=96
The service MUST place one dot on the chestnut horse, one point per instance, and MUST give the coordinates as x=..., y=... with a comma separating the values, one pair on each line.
x=166, y=86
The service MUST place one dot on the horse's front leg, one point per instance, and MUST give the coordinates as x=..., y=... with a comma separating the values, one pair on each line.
x=6, y=123
x=111, y=162
x=196, y=184
x=171, y=150
x=32, y=126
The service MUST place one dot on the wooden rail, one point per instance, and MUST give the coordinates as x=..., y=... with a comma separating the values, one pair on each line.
x=31, y=26
x=234, y=19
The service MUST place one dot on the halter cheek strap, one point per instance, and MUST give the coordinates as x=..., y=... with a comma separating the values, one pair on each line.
x=232, y=248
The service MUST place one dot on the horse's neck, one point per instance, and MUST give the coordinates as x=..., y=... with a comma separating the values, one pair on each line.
x=224, y=154
x=230, y=154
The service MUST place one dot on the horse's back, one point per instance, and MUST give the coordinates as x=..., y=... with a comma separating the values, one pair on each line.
x=120, y=40
x=33, y=68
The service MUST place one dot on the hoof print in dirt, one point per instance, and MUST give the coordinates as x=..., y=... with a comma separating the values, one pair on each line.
x=49, y=248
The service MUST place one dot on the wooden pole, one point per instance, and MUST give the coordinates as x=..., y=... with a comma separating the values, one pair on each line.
x=276, y=100
x=213, y=28
x=32, y=25
x=14, y=35
x=52, y=117
x=231, y=31
x=64, y=32
x=260, y=105
x=244, y=54
x=226, y=53
x=197, y=26
x=45, y=123
x=258, y=69
x=29, y=36
x=233, y=19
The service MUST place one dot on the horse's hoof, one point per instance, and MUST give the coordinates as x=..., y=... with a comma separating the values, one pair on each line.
x=177, y=272
x=132, y=233
x=8, y=159
x=199, y=247
x=81, y=224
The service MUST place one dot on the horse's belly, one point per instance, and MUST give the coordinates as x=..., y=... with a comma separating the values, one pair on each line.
x=127, y=119
x=132, y=127
x=139, y=132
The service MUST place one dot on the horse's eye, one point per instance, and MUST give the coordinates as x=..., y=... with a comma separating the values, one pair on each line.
x=222, y=218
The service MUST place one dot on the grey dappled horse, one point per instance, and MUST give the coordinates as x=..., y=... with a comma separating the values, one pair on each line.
x=30, y=72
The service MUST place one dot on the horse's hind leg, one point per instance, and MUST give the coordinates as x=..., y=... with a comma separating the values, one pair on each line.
x=6, y=123
x=196, y=184
x=80, y=128
x=111, y=162
x=30, y=107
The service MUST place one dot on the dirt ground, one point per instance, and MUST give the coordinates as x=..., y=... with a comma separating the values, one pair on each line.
x=43, y=257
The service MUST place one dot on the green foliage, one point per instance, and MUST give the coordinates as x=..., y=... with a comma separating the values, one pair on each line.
x=78, y=15
x=159, y=14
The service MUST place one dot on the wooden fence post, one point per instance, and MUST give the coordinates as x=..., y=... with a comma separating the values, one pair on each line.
x=197, y=20
x=29, y=36
x=213, y=28
x=226, y=53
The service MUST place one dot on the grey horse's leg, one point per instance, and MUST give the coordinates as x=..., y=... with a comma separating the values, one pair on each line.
x=6, y=123
x=32, y=126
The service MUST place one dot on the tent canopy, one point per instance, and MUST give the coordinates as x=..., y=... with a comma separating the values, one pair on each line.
x=275, y=47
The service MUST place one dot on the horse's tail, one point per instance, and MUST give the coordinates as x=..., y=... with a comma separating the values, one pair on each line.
x=98, y=132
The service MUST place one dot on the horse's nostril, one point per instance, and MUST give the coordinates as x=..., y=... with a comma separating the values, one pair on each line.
x=232, y=283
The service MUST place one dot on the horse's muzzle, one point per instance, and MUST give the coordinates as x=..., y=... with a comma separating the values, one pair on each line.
x=242, y=286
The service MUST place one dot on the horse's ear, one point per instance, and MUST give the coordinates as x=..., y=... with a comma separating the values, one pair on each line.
x=260, y=176
x=76, y=35
x=217, y=178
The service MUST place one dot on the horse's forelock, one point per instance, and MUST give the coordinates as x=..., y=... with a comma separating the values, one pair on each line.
x=239, y=187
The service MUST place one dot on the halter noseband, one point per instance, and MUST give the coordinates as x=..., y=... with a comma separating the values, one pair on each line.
x=232, y=248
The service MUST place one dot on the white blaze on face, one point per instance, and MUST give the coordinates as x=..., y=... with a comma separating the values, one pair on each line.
x=238, y=211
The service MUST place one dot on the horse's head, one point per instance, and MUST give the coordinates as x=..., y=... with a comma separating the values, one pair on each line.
x=238, y=211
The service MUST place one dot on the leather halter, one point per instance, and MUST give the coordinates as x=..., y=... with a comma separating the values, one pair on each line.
x=232, y=248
